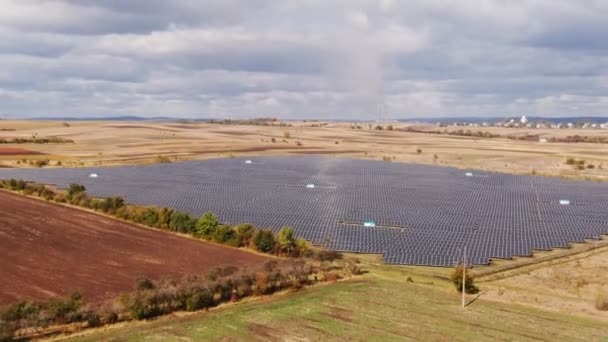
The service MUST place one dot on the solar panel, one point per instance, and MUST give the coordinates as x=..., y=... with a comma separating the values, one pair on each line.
x=411, y=214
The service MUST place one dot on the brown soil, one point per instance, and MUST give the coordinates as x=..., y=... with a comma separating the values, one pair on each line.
x=15, y=151
x=48, y=250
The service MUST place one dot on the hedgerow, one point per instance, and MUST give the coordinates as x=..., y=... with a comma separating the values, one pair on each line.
x=208, y=227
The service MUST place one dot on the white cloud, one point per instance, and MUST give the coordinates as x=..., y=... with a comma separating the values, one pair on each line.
x=309, y=58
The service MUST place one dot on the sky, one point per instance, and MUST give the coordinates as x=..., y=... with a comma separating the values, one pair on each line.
x=298, y=59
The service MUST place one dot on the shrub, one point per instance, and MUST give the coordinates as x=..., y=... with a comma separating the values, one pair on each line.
x=244, y=233
x=163, y=159
x=601, y=302
x=469, y=286
x=328, y=255
x=286, y=135
x=142, y=305
x=570, y=161
x=419, y=150
x=199, y=300
x=42, y=162
x=263, y=241
x=64, y=310
x=207, y=225
x=286, y=240
x=74, y=188
x=181, y=222
x=7, y=331
x=226, y=235
x=273, y=140
x=143, y=284
x=150, y=217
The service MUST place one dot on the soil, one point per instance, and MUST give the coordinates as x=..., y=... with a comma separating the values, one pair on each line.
x=48, y=250
x=15, y=151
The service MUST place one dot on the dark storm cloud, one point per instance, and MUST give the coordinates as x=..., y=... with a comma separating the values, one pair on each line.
x=313, y=58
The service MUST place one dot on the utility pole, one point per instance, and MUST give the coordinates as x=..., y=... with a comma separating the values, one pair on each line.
x=464, y=274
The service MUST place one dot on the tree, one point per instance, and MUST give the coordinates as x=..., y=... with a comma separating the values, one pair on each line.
x=207, y=225
x=286, y=240
x=150, y=217
x=75, y=189
x=244, y=233
x=224, y=234
x=263, y=241
x=469, y=286
x=181, y=222
x=164, y=217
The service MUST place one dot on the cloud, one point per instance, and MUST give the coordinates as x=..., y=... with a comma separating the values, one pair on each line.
x=303, y=59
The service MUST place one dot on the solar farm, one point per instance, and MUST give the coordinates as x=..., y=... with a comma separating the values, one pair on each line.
x=411, y=214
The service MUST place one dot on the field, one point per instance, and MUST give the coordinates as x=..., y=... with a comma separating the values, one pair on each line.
x=120, y=143
x=379, y=306
x=550, y=296
x=48, y=250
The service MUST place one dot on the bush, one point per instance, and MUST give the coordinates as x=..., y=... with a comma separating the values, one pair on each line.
x=143, y=305
x=64, y=310
x=207, y=225
x=42, y=163
x=328, y=255
x=143, y=284
x=7, y=331
x=244, y=234
x=199, y=300
x=163, y=159
x=286, y=240
x=570, y=161
x=150, y=217
x=181, y=222
x=263, y=241
x=469, y=286
x=601, y=302
x=419, y=150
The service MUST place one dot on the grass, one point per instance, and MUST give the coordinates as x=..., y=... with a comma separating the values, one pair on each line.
x=379, y=306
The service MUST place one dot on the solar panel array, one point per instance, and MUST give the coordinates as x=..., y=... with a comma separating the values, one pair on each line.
x=424, y=215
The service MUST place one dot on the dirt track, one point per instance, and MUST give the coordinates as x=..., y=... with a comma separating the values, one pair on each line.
x=47, y=250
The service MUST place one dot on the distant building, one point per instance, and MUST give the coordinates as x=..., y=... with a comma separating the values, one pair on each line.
x=523, y=120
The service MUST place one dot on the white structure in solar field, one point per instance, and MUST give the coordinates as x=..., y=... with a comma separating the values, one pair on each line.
x=248, y=161
x=310, y=185
x=93, y=175
x=369, y=224
x=564, y=202
x=469, y=174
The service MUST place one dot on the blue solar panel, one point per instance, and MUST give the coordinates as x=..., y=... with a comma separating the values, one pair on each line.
x=424, y=215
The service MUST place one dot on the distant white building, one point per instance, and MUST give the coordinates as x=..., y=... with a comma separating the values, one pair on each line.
x=523, y=120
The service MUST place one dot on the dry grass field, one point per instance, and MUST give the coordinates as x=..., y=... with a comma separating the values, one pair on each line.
x=115, y=143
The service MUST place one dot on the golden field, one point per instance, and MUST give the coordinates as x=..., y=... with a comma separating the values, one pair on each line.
x=119, y=143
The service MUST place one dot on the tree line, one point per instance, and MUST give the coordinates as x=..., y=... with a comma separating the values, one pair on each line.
x=207, y=227
x=28, y=319
x=50, y=140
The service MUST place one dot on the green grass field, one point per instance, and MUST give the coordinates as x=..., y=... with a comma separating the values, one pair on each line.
x=379, y=306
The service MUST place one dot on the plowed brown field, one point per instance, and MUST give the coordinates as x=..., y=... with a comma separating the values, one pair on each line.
x=48, y=249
